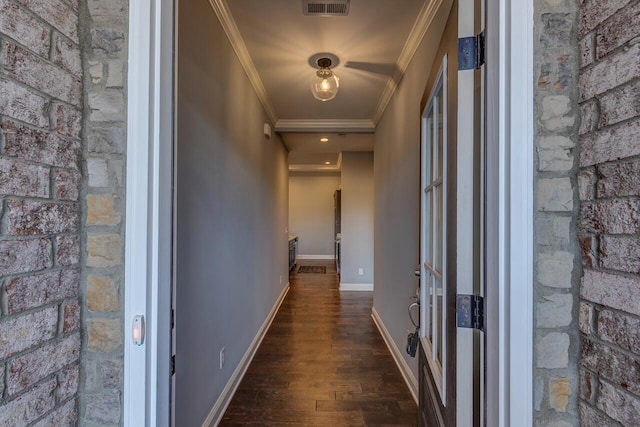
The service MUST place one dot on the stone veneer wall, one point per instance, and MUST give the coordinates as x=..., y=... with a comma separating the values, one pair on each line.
x=557, y=267
x=609, y=223
x=104, y=45
x=41, y=96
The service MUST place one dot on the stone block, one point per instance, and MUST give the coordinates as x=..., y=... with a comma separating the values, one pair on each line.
x=620, y=104
x=553, y=231
x=100, y=210
x=539, y=392
x=98, y=174
x=68, y=380
x=613, y=71
x=36, y=290
x=56, y=13
x=66, y=120
x=103, y=11
x=617, y=180
x=66, y=415
x=103, y=409
x=66, y=184
x=110, y=374
x=556, y=30
x=24, y=256
x=108, y=40
x=619, y=329
x=554, y=153
x=116, y=170
x=589, y=116
x=586, y=184
x=555, y=195
x=610, y=217
x=552, y=350
x=586, y=318
x=587, y=49
x=588, y=250
x=66, y=54
x=589, y=417
x=102, y=294
x=619, y=405
x=588, y=384
x=24, y=28
x=106, y=106
x=115, y=74
x=39, y=146
x=555, y=113
x=28, y=369
x=30, y=406
x=611, y=364
x=554, y=311
x=71, y=316
x=621, y=28
x=559, y=389
x=96, y=71
x=104, y=335
x=20, y=103
x=611, y=144
x=18, y=178
x=28, y=217
x=611, y=290
x=104, y=250
x=620, y=253
x=105, y=140
x=594, y=12
x=40, y=74
x=555, y=269
x=67, y=250
x=26, y=331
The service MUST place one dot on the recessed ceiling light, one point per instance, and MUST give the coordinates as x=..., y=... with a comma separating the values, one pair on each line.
x=327, y=163
x=324, y=139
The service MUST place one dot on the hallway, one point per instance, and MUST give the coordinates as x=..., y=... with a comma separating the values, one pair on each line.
x=323, y=362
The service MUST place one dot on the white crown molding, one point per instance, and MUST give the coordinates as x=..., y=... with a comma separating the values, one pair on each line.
x=425, y=17
x=337, y=125
x=314, y=168
x=235, y=38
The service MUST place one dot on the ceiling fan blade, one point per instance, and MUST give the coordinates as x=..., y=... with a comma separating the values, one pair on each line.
x=388, y=70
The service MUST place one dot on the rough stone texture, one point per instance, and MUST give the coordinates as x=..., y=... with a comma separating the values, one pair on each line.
x=41, y=98
x=103, y=250
x=552, y=351
x=609, y=223
x=100, y=210
x=559, y=389
x=105, y=335
x=102, y=294
x=554, y=311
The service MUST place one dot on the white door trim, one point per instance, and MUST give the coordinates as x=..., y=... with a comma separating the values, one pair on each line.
x=148, y=211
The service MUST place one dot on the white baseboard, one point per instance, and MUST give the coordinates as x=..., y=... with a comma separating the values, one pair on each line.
x=356, y=287
x=407, y=374
x=215, y=416
x=331, y=257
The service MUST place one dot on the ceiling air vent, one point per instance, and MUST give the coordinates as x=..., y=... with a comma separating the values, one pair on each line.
x=325, y=7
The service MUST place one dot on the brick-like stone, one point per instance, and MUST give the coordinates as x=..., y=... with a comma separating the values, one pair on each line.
x=554, y=153
x=559, y=389
x=611, y=364
x=110, y=374
x=100, y=210
x=555, y=113
x=26, y=67
x=66, y=184
x=102, y=294
x=20, y=103
x=39, y=289
x=587, y=386
x=589, y=417
x=620, y=179
x=26, y=331
x=619, y=329
x=589, y=116
x=620, y=253
x=587, y=49
x=594, y=12
x=98, y=172
x=610, y=217
x=66, y=120
x=611, y=144
x=622, y=407
x=589, y=251
x=102, y=11
x=66, y=54
x=107, y=40
x=618, y=30
x=554, y=311
x=104, y=250
x=613, y=71
x=28, y=217
x=39, y=146
x=103, y=409
x=104, y=335
x=586, y=184
x=58, y=14
x=586, y=318
x=18, y=178
x=555, y=195
x=27, y=408
x=115, y=76
x=28, y=369
x=24, y=28
x=620, y=104
x=552, y=350
x=556, y=30
x=67, y=250
x=68, y=380
x=105, y=140
x=66, y=415
x=71, y=316
x=538, y=392
x=23, y=256
x=611, y=290
x=106, y=106
x=555, y=269
x=553, y=231
x=96, y=71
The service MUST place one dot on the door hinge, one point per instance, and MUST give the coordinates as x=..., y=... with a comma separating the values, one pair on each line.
x=173, y=364
x=471, y=52
x=470, y=311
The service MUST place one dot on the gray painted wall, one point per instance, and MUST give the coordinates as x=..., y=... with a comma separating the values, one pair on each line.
x=357, y=218
x=311, y=211
x=232, y=213
x=397, y=180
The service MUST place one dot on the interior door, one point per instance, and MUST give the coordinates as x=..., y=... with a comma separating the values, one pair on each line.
x=451, y=232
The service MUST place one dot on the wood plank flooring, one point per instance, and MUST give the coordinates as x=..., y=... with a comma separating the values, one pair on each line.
x=322, y=363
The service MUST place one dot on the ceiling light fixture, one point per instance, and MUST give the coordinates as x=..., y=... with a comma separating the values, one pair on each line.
x=324, y=139
x=325, y=83
x=327, y=163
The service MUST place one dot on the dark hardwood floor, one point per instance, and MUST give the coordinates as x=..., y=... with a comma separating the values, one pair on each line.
x=322, y=363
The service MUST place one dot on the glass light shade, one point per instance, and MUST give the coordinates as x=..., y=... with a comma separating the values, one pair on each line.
x=324, y=85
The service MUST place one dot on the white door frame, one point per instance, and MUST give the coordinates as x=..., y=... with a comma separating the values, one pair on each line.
x=149, y=221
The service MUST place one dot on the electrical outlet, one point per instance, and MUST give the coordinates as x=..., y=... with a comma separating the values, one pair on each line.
x=361, y=271
x=222, y=358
